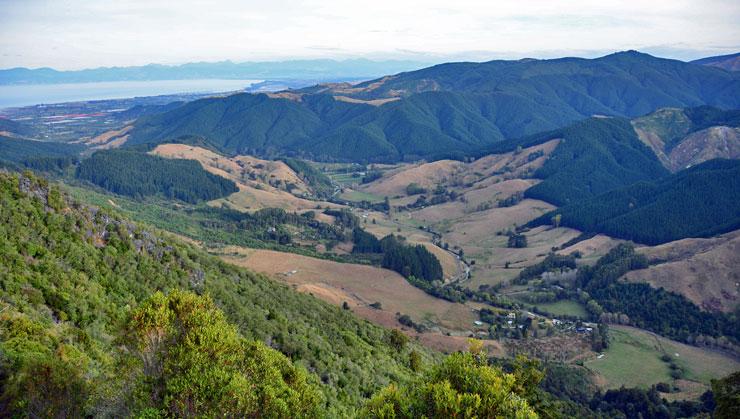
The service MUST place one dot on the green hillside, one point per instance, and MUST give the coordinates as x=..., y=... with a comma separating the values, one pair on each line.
x=447, y=110
x=16, y=150
x=73, y=274
x=594, y=156
x=138, y=175
x=698, y=202
x=626, y=83
x=15, y=128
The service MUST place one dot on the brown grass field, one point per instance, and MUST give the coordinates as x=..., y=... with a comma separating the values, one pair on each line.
x=108, y=139
x=706, y=271
x=457, y=174
x=592, y=249
x=253, y=194
x=362, y=285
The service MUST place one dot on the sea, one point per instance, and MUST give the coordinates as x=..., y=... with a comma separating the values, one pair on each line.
x=12, y=96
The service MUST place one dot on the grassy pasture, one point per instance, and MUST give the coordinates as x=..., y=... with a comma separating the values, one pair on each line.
x=357, y=196
x=564, y=308
x=633, y=359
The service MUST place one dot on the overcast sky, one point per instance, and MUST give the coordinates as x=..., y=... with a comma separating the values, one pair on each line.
x=82, y=34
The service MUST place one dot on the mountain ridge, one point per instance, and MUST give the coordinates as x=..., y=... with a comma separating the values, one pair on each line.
x=451, y=108
x=316, y=69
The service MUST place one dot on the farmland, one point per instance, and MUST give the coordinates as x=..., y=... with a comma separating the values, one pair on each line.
x=634, y=359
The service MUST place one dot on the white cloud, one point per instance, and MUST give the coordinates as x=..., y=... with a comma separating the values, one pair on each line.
x=80, y=33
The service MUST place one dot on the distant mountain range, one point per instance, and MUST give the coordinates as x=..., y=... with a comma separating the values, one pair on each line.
x=326, y=70
x=449, y=110
x=730, y=62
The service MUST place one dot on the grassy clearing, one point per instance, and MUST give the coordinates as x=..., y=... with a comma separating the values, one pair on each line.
x=357, y=196
x=700, y=364
x=633, y=359
x=564, y=308
x=343, y=179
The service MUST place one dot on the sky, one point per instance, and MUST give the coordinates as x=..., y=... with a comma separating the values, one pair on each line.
x=75, y=34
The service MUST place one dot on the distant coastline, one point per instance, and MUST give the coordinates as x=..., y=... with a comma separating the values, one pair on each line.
x=35, y=94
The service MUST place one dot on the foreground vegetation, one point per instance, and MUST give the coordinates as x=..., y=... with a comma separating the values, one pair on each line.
x=72, y=276
x=103, y=317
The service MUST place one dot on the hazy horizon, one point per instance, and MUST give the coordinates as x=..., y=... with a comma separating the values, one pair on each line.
x=80, y=34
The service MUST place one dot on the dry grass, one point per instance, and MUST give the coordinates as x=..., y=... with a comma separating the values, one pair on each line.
x=426, y=175
x=593, y=248
x=706, y=271
x=356, y=284
x=109, y=139
x=253, y=177
x=362, y=285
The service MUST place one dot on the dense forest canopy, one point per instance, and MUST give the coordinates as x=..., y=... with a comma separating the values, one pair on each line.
x=20, y=151
x=407, y=259
x=698, y=202
x=138, y=175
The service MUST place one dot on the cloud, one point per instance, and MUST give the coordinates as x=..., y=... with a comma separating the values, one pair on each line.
x=85, y=33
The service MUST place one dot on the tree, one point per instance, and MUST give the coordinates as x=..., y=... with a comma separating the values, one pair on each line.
x=415, y=362
x=194, y=363
x=517, y=241
x=461, y=387
x=556, y=220
x=414, y=189
x=397, y=339
x=727, y=396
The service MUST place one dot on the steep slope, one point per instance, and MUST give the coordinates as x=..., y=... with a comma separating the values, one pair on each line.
x=323, y=127
x=72, y=273
x=686, y=137
x=17, y=150
x=261, y=183
x=711, y=143
x=593, y=156
x=706, y=271
x=729, y=62
x=446, y=110
x=698, y=202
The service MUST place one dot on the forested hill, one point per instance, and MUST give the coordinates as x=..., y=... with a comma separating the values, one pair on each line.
x=446, y=110
x=12, y=128
x=594, y=156
x=626, y=83
x=698, y=202
x=318, y=126
x=20, y=151
x=138, y=175
x=74, y=329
